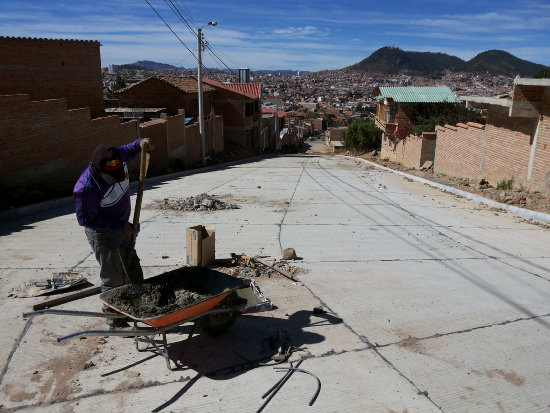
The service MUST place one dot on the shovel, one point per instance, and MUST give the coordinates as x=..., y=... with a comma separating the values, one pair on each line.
x=128, y=254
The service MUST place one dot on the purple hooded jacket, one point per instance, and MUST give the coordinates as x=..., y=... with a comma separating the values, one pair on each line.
x=102, y=206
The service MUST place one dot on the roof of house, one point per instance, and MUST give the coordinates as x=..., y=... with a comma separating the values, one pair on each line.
x=250, y=90
x=418, y=94
x=187, y=84
x=280, y=113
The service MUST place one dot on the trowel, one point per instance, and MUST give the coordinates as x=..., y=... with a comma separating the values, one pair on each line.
x=128, y=254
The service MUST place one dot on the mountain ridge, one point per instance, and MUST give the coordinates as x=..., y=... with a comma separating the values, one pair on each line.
x=393, y=60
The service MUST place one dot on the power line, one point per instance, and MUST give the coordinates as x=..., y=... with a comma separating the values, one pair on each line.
x=167, y=25
x=178, y=14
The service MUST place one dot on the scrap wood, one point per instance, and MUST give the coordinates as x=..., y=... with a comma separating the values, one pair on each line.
x=66, y=298
x=273, y=266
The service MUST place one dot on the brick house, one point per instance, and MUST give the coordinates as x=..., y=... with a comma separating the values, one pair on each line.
x=395, y=109
x=170, y=92
x=53, y=69
x=514, y=144
x=241, y=108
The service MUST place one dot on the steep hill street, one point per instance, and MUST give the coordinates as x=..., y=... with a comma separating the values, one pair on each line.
x=431, y=302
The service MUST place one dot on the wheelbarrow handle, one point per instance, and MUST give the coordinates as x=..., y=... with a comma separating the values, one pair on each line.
x=73, y=313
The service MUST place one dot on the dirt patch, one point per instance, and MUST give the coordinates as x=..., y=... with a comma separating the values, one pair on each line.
x=202, y=202
x=535, y=201
x=170, y=292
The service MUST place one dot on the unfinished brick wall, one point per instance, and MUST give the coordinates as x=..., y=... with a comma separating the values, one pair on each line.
x=499, y=151
x=541, y=165
x=47, y=146
x=507, y=148
x=53, y=69
x=412, y=151
x=458, y=149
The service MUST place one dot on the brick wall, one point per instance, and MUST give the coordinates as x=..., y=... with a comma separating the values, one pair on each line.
x=507, y=147
x=412, y=151
x=53, y=69
x=47, y=145
x=461, y=151
x=458, y=149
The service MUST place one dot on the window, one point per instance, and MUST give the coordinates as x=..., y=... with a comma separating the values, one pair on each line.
x=249, y=109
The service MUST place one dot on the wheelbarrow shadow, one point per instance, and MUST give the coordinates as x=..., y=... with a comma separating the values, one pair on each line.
x=249, y=344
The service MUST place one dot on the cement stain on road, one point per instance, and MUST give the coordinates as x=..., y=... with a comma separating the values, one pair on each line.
x=510, y=377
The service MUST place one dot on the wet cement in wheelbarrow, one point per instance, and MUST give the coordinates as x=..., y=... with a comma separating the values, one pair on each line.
x=169, y=292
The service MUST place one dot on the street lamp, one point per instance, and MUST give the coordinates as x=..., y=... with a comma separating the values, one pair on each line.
x=199, y=79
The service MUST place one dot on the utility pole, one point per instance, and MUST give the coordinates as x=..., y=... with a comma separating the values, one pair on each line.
x=199, y=79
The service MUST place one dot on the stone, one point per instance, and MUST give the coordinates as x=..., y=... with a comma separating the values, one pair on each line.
x=288, y=254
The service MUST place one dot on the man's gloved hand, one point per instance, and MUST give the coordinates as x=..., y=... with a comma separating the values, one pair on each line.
x=148, y=142
x=138, y=286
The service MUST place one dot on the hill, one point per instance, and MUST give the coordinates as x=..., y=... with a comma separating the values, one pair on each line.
x=148, y=64
x=501, y=62
x=392, y=60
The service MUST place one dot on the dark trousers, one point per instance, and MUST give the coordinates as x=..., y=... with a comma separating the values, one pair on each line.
x=105, y=245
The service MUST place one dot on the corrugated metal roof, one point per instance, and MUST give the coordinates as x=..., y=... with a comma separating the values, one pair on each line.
x=250, y=90
x=418, y=94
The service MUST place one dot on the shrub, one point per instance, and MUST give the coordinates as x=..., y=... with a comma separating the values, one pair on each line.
x=506, y=184
x=362, y=135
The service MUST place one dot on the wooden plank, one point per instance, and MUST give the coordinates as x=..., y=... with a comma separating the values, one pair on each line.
x=67, y=298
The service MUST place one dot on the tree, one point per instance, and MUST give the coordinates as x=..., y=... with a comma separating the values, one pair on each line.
x=542, y=74
x=117, y=85
x=362, y=135
x=426, y=117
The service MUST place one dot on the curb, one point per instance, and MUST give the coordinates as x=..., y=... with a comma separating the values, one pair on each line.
x=69, y=200
x=522, y=212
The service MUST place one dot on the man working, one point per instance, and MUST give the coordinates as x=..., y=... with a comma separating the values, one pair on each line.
x=102, y=195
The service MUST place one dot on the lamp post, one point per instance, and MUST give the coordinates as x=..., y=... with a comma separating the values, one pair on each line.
x=199, y=79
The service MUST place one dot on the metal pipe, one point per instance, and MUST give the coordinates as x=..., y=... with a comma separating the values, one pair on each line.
x=307, y=372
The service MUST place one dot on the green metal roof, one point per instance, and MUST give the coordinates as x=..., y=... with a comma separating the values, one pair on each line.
x=418, y=94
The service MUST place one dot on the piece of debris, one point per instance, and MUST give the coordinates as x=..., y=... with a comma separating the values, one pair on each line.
x=202, y=202
x=89, y=365
x=288, y=254
x=59, y=281
x=427, y=165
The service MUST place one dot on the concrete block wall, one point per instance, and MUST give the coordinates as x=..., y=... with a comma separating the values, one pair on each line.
x=53, y=69
x=458, y=149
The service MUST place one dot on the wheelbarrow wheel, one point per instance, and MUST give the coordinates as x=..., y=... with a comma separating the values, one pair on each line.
x=217, y=324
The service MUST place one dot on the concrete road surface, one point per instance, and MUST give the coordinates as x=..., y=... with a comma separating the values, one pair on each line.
x=434, y=302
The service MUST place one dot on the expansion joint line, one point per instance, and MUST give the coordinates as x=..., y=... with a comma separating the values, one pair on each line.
x=371, y=346
x=280, y=225
x=467, y=330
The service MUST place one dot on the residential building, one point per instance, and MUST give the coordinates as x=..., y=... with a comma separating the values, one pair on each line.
x=241, y=108
x=395, y=116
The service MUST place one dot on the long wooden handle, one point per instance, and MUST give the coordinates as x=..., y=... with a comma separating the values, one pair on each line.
x=144, y=164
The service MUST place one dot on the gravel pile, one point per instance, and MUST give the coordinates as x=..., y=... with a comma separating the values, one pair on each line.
x=202, y=202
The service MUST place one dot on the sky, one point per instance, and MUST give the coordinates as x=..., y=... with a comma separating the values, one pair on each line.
x=299, y=35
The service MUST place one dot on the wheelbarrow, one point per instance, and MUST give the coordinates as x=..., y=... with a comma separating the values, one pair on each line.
x=215, y=299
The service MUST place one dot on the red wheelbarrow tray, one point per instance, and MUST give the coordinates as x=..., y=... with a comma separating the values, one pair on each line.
x=218, y=284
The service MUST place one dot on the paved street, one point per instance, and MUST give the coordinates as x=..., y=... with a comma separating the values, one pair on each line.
x=434, y=302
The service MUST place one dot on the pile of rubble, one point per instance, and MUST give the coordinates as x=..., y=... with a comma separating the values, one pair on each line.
x=240, y=265
x=202, y=202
